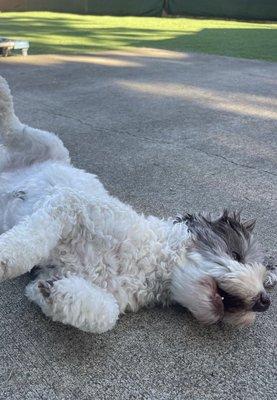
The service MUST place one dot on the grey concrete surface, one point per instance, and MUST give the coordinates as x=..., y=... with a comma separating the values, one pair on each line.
x=167, y=132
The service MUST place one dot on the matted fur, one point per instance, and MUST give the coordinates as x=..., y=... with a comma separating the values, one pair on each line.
x=96, y=257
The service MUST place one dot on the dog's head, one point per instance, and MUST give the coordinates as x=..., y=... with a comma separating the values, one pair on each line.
x=222, y=277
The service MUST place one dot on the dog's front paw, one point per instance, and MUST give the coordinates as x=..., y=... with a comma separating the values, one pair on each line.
x=271, y=278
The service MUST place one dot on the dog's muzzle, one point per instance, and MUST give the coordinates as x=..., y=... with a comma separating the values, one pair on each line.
x=262, y=303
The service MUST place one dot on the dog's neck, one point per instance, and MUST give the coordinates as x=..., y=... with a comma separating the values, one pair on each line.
x=172, y=240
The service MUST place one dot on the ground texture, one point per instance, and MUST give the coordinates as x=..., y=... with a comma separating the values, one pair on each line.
x=167, y=132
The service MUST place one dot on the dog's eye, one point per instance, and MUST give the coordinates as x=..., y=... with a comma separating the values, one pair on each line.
x=236, y=256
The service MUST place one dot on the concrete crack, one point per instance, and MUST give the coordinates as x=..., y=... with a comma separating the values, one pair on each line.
x=67, y=117
x=231, y=161
x=143, y=138
x=204, y=152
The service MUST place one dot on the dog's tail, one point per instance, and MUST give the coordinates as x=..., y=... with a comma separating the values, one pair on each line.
x=24, y=145
x=7, y=116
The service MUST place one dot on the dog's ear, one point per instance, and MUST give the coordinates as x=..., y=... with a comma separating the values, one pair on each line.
x=250, y=225
x=188, y=218
x=198, y=293
x=224, y=216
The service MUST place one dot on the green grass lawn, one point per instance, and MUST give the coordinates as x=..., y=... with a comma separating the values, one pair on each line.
x=72, y=34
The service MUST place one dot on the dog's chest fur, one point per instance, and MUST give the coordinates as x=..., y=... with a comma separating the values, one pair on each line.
x=131, y=258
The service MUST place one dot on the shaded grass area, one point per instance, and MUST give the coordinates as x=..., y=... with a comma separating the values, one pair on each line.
x=76, y=34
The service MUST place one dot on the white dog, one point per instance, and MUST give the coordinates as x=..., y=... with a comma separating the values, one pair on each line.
x=96, y=257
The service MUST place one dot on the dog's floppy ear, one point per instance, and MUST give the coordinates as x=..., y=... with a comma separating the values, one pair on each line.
x=249, y=225
x=198, y=293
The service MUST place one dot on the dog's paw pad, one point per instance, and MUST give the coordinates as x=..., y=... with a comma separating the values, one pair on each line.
x=46, y=287
x=19, y=194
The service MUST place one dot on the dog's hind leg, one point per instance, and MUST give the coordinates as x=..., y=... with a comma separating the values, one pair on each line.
x=23, y=145
x=74, y=301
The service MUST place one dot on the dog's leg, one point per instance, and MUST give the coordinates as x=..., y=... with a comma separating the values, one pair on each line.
x=31, y=241
x=28, y=243
x=24, y=145
x=74, y=301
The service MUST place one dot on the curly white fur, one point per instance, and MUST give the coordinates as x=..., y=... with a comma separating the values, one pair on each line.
x=106, y=258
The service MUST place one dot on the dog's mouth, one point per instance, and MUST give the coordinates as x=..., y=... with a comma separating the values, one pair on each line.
x=215, y=303
x=235, y=310
x=231, y=303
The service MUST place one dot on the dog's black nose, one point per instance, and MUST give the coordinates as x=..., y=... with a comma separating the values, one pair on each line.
x=262, y=303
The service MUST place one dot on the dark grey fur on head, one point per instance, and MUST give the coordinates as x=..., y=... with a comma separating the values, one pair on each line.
x=226, y=235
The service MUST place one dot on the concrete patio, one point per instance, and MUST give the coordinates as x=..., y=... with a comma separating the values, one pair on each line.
x=167, y=132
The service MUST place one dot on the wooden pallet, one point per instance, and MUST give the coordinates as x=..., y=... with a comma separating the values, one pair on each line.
x=7, y=45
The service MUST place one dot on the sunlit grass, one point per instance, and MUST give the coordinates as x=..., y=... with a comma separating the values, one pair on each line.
x=73, y=34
